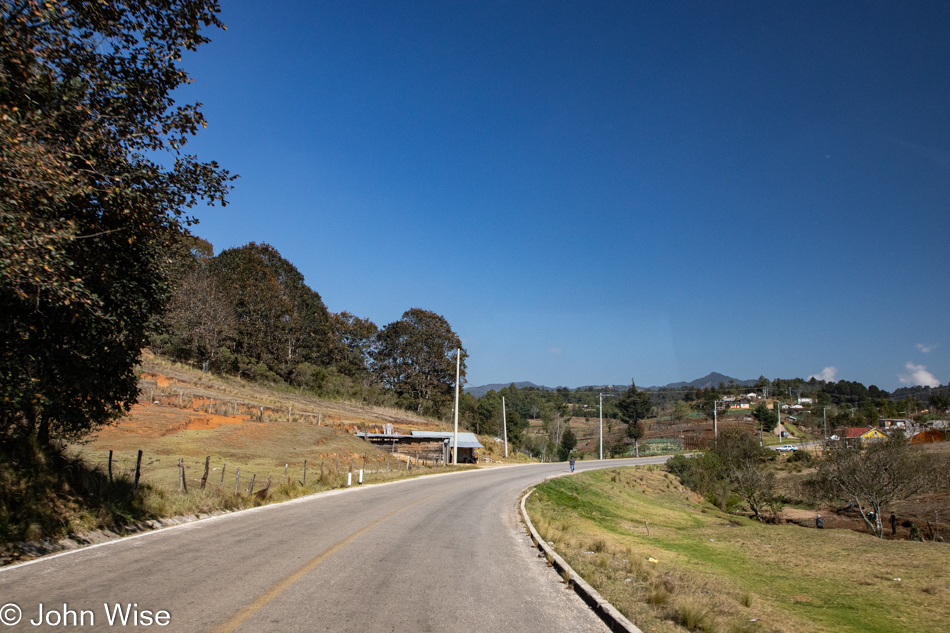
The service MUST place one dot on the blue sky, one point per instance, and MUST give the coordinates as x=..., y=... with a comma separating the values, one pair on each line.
x=594, y=192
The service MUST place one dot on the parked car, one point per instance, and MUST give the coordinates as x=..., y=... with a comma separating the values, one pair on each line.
x=786, y=448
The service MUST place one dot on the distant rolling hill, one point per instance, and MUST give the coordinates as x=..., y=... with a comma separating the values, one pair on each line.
x=478, y=392
x=711, y=380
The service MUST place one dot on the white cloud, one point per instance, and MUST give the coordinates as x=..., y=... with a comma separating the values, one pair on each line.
x=918, y=376
x=828, y=374
x=556, y=350
x=926, y=348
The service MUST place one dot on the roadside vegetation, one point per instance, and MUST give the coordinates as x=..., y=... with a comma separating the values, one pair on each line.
x=672, y=561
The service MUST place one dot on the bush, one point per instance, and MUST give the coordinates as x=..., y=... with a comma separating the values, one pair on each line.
x=684, y=468
x=801, y=456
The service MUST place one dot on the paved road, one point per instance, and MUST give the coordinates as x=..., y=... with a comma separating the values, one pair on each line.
x=439, y=553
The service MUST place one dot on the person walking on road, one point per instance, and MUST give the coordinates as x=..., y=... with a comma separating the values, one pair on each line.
x=572, y=463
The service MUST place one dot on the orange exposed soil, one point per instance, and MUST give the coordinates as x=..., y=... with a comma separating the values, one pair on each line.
x=150, y=420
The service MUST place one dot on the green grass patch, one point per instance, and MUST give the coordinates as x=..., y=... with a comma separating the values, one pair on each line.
x=721, y=572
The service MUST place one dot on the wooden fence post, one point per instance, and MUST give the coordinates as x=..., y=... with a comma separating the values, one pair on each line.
x=286, y=478
x=250, y=487
x=237, y=478
x=138, y=470
x=321, y=471
x=304, y=472
x=110, y=466
x=182, y=484
x=204, y=478
x=223, y=468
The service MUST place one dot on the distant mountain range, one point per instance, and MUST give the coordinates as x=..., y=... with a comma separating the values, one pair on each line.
x=710, y=380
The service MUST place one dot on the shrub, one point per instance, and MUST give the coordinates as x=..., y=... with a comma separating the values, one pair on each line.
x=684, y=468
x=801, y=456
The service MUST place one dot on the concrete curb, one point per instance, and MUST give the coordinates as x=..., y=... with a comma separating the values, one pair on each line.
x=606, y=611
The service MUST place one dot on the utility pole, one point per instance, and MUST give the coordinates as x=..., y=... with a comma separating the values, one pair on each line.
x=602, y=423
x=504, y=425
x=716, y=420
x=455, y=441
x=601, y=426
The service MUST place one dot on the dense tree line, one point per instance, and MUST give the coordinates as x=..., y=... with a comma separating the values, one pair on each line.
x=94, y=184
x=249, y=312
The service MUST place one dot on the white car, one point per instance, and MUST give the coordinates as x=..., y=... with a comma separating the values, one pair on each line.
x=787, y=448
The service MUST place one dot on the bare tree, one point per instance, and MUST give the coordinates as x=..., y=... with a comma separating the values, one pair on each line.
x=201, y=315
x=872, y=478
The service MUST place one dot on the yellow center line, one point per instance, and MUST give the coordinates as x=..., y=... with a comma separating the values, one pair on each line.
x=278, y=588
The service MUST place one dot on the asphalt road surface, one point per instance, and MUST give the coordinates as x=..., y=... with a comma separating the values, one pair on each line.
x=438, y=553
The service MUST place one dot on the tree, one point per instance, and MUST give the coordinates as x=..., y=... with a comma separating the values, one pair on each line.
x=261, y=307
x=568, y=442
x=680, y=411
x=744, y=467
x=415, y=356
x=707, y=405
x=634, y=405
x=282, y=322
x=767, y=418
x=86, y=211
x=353, y=341
x=635, y=432
x=200, y=319
x=939, y=401
x=872, y=478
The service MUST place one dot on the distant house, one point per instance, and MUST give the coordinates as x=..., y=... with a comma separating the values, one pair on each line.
x=432, y=446
x=874, y=435
x=887, y=423
x=859, y=435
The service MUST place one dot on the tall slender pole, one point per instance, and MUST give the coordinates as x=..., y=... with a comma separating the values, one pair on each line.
x=778, y=411
x=504, y=423
x=715, y=421
x=601, y=426
x=455, y=440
